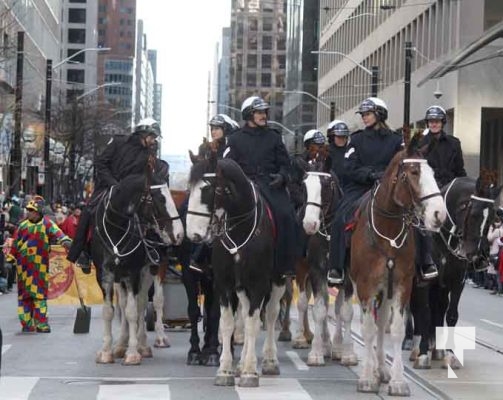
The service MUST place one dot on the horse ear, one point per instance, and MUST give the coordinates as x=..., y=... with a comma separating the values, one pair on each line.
x=413, y=146
x=193, y=157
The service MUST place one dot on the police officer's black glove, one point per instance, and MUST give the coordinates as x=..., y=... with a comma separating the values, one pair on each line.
x=277, y=181
x=376, y=175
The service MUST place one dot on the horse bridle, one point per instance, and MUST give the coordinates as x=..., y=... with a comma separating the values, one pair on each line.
x=408, y=215
x=326, y=213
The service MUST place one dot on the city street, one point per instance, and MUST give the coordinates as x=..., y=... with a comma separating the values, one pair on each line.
x=61, y=365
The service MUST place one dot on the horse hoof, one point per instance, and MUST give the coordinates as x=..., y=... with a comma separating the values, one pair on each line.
x=132, y=359
x=452, y=361
x=384, y=374
x=119, y=351
x=213, y=360
x=225, y=378
x=300, y=343
x=193, y=358
x=239, y=368
x=349, y=360
x=104, y=357
x=162, y=343
x=399, y=389
x=437, y=355
x=336, y=354
x=315, y=360
x=285, y=336
x=248, y=380
x=146, y=352
x=408, y=344
x=269, y=367
x=309, y=337
x=414, y=354
x=367, y=386
x=422, y=362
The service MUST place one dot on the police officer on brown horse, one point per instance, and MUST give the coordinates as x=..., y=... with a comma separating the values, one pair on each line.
x=262, y=156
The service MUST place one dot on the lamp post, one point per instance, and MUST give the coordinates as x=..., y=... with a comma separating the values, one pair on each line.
x=308, y=95
x=373, y=73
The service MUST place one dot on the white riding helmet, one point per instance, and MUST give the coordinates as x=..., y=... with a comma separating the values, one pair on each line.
x=375, y=105
x=337, y=128
x=149, y=126
x=315, y=136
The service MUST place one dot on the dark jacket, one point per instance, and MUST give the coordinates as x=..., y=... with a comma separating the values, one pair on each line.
x=337, y=159
x=444, y=156
x=259, y=152
x=369, y=152
x=123, y=156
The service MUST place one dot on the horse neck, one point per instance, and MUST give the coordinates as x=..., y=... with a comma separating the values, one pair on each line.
x=384, y=201
x=244, y=205
x=115, y=217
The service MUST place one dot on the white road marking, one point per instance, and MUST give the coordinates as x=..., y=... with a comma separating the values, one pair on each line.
x=133, y=392
x=16, y=388
x=492, y=323
x=274, y=388
x=299, y=364
x=6, y=347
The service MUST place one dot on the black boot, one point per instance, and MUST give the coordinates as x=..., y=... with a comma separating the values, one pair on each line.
x=78, y=252
x=337, y=258
x=428, y=268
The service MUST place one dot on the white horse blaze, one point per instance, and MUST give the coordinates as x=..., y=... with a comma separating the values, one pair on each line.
x=197, y=225
x=177, y=225
x=435, y=211
x=311, y=221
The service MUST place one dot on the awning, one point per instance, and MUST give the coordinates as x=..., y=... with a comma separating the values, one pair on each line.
x=489, y=36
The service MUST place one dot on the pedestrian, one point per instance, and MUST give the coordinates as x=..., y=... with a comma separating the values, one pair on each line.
x=493, y=236
x=69, y=225
x=30, y=252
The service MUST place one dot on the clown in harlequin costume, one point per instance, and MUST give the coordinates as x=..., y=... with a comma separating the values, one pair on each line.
x=30, y=252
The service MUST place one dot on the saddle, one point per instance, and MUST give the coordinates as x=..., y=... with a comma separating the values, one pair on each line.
x=273, y=222
x=362, y=202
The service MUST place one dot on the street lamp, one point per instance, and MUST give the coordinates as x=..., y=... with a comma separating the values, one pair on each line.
x=308, y=95
x=97, y=88
x=374, y=72
x=65, y=60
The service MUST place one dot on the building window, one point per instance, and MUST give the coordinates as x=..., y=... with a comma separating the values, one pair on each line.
x=101, y=8
x=251, y=79
x=77, y=36
x=78, y=1
x=493, y=13
x=122, y=21
x=81, y=57
x=267, y=24
x=266, y=80
x=252, y=41
x=282, y=43
x=77, y=15
x=253, y=25
x=75, y=75
x=266, y=61
x=282, y=61
x=267, y=43
x=252, y=61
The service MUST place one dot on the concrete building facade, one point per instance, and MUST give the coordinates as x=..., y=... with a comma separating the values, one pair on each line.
x=144, y=78
x=258, y=54
x=373, y=34
x=224, y=72
x=157, y=105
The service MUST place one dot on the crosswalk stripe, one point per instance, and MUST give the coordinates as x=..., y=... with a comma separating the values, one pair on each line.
x=274, y=388
x=6, y=347
x=134, y=392
x=16, y=388
x=297, y=361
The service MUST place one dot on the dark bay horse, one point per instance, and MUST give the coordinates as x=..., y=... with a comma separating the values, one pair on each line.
x=460, y=245
x=382, y=260
x=226, y=208
x=126, y=215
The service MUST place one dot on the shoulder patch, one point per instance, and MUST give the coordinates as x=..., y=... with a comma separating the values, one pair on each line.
x=110, y=141
x=349, y=152
x=226, y=151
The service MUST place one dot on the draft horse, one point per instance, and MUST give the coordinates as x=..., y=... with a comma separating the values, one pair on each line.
x=381, y=259
x=226, y=207
x=461, y=244
x=122, y=251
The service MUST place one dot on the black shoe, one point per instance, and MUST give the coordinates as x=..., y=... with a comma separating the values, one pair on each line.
x=84, y=262
x=335, y=277
x=429, y=272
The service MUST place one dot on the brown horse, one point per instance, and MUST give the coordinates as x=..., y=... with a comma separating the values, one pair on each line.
x=382, y=260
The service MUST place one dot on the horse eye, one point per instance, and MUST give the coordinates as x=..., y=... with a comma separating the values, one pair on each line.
x=415, y=172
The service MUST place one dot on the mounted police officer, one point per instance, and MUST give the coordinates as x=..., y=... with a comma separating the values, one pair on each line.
x=338, y=138
x=365, y=160
x=221, y=127
x=123, y=156
x=261, y=154
x=313, y=141
x=445, y=157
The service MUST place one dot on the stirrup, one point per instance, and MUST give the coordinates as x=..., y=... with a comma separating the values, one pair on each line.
x=333, y=281
x=433, y=273
x=84, y=262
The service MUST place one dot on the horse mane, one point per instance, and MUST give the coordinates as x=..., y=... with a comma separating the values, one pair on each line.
x=231, y=170
x=201, y=167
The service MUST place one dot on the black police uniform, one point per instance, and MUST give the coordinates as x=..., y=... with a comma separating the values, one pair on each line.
x=260, y=152
x=444, y=156
x=337, y=159
x=366, y=158
x=123, y=156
